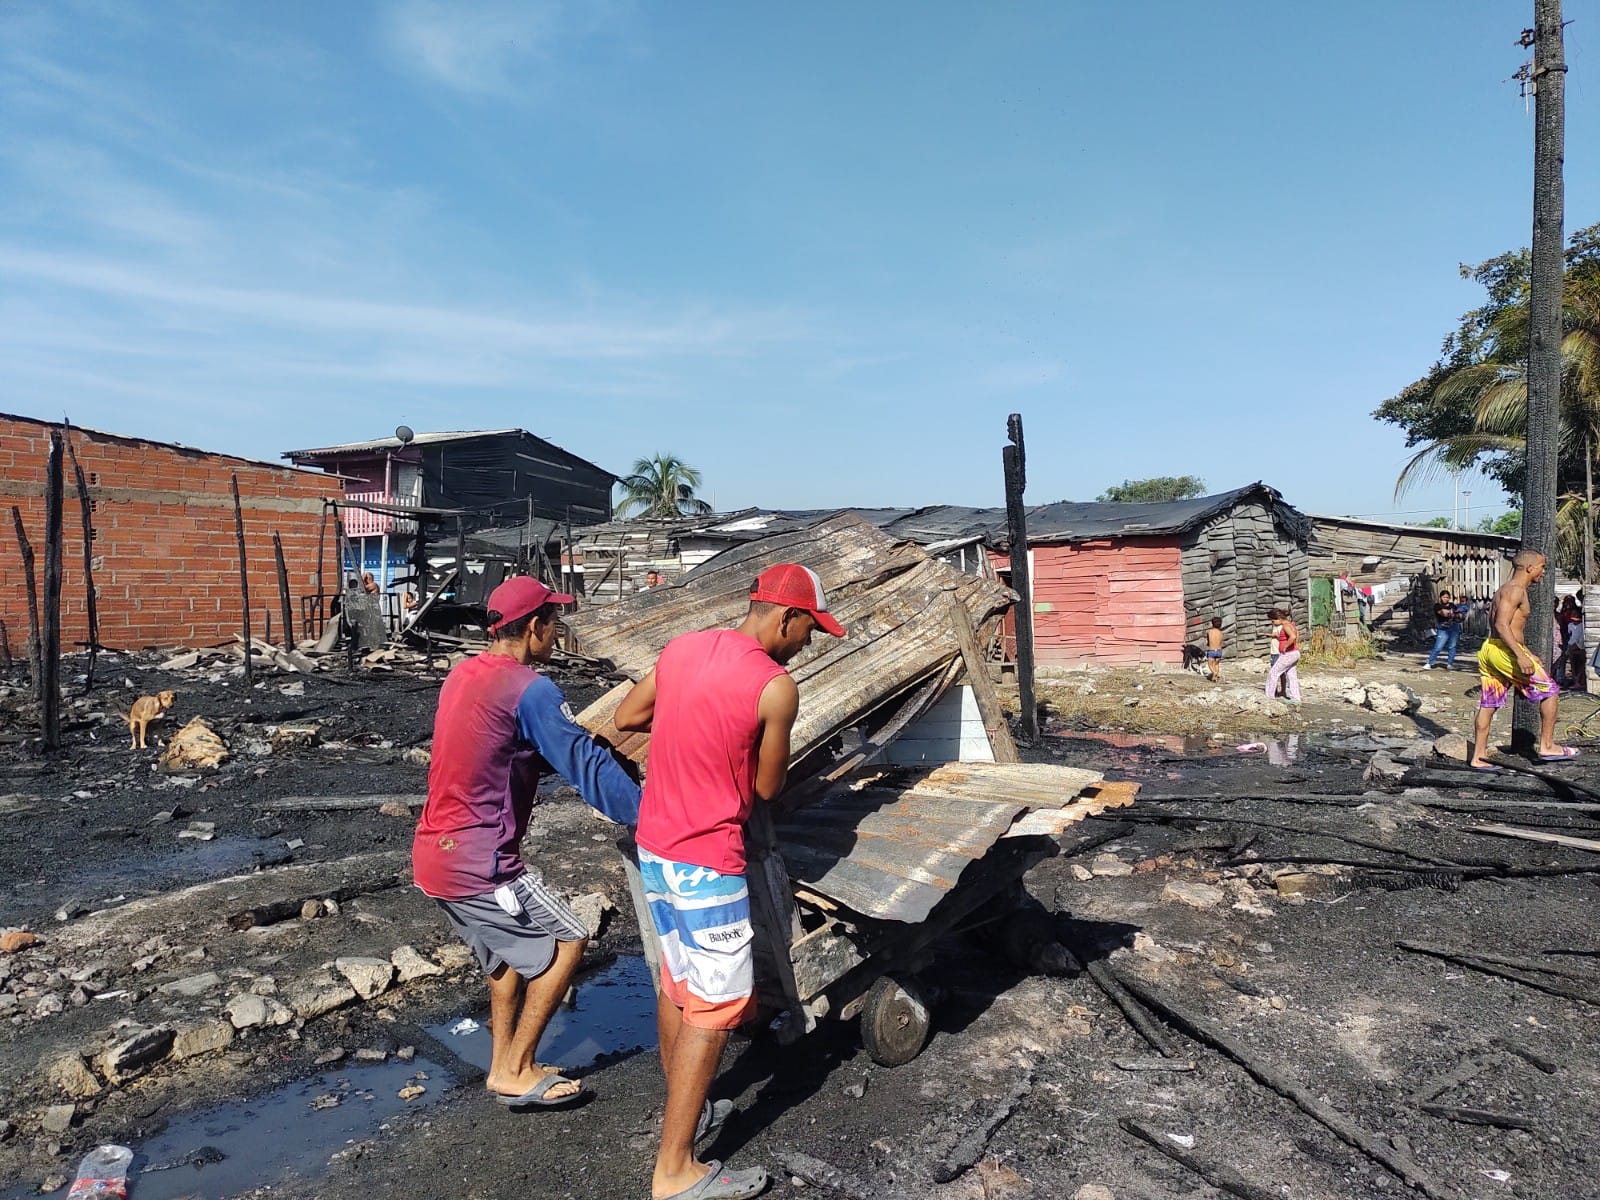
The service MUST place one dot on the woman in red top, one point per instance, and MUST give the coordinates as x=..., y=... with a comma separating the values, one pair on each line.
x=1288, y=660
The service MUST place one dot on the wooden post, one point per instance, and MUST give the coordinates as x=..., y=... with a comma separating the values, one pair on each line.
x=1546, y=288
x=26, y=549
x=461, y=557
x=283, y=593
x=86, y=508
x=50, y=642
x=5, y=647
x=983, y=689
x=322, y=538
x=244, y=581
x=1015, y=460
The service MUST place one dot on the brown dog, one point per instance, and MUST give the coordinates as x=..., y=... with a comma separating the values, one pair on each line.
x=145, y=710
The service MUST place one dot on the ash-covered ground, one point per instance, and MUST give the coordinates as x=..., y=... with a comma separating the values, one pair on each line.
x=1257, y=895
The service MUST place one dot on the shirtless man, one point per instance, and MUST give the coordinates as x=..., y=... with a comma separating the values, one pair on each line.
x=1506, y=662
x=1214, y=650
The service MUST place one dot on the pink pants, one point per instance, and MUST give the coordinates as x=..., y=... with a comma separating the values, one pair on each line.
x=1285, y=667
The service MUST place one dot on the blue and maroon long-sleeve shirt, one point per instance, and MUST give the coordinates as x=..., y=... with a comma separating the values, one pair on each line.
x=500, y=725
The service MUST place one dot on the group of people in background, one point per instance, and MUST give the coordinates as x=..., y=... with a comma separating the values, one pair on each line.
x=1570, y=661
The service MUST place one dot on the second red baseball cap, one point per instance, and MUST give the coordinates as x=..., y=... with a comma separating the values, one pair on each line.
x=519, y=596
x=794, y=586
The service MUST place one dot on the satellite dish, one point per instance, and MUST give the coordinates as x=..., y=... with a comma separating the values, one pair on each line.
x=405, y=434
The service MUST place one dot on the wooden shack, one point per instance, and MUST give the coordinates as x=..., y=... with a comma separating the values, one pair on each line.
x=1134, y=583
x=1401, y=568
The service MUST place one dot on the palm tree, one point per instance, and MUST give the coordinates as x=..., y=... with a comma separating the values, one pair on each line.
x=1497, y=390
x=661, y=486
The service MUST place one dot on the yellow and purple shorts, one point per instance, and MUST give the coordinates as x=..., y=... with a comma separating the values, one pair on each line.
x=1498, y=673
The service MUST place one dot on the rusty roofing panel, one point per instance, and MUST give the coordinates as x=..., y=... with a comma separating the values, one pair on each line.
x=891, y=850
x=888, y=854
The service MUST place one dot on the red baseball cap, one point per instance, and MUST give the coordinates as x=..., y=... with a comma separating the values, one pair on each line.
x=519, y=596
x=794, y=586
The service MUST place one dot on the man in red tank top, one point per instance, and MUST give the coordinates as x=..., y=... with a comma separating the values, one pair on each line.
x=720, y=708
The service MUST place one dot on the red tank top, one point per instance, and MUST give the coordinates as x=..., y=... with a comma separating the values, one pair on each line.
x=700, y=778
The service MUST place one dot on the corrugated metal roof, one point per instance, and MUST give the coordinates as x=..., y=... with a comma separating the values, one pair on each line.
x=1477, y=537
x=428, y=439
x=1084, y=521
x=394, y=443
x=892, y=849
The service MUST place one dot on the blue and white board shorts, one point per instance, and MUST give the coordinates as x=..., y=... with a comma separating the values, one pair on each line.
x=702, y=922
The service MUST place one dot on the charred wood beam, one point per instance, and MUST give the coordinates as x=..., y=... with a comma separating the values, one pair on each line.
x=1223, y=1178
x=1478, y=1116
x=91, y=603
x=244, y=579
x=1161, y=818
x=1488, y=966
x=30, y=580
x=1345, y=1129
x=283, y=593
x=50, y=635
x=970, y=1147
x=1014, y=460
x=1136, y=1016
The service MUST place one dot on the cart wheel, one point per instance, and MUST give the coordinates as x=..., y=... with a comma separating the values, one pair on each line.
x=895, y=1021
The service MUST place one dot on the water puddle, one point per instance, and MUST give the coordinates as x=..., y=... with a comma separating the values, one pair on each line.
x=290, y=1132
x=615, y=1015
x=117, y=877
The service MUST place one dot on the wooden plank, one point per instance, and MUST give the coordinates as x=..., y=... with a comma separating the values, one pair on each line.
x=983, y=686
x=1537, y=835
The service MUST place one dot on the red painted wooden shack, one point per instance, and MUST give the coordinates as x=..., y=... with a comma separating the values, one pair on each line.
x=1134, y=583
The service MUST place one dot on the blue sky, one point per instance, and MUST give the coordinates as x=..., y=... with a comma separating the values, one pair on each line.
x=820, y=250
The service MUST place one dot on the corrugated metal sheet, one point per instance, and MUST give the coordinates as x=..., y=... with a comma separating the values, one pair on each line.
x=893, y=849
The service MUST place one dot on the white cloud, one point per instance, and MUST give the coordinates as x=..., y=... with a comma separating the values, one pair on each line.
x=477, y=48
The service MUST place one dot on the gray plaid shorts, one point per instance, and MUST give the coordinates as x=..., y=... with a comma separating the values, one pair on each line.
x=525, y=942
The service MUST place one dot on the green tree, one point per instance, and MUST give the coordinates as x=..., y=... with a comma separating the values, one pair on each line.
x=1507, y=524
x=1470, y=411
x=1436, y=523
x=1156, y=490
x=663, y=486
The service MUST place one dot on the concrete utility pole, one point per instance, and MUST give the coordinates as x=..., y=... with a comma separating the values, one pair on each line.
x=1548, y=78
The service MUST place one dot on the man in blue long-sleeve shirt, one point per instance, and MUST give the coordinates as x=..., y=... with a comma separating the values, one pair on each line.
x=500, y=725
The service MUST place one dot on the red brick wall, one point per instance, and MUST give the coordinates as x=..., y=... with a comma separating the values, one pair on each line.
x=1113, y=602
x=166, y=567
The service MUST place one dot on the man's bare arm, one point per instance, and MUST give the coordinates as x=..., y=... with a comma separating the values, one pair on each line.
x=638, y=708
x=779, y=705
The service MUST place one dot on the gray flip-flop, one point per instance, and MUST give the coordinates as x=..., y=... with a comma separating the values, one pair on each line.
x=535, y=1096
x=712, y=1117
x=726, y=1185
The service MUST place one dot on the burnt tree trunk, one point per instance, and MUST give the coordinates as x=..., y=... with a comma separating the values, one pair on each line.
x=244, y=582
x=30, y=579
x=1544, y=354
x=1015, y=460
x=50, y=637
x=92, y=607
